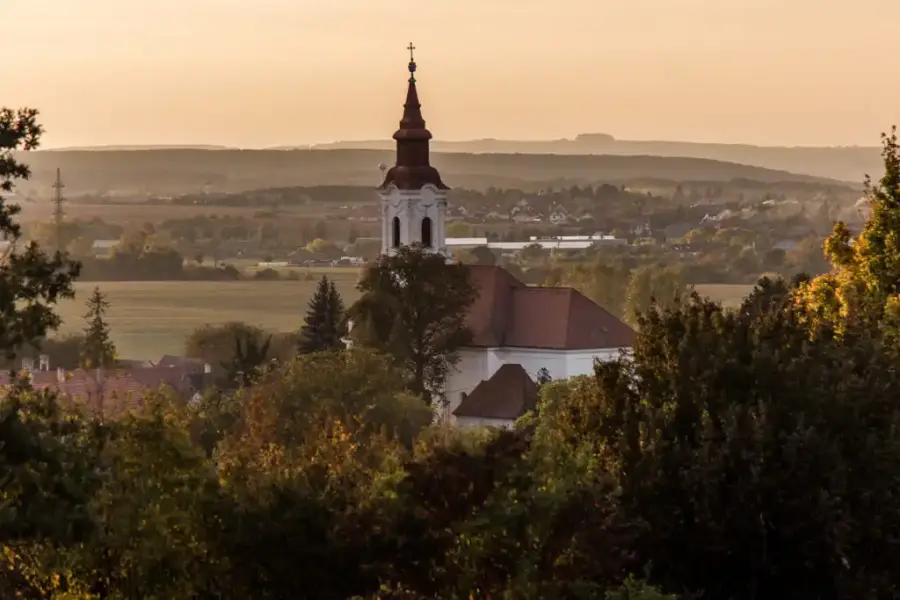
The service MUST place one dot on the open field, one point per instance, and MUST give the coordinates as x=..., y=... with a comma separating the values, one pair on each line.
x=149, y=319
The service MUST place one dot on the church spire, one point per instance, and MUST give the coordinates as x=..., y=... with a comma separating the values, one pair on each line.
x=412, y=170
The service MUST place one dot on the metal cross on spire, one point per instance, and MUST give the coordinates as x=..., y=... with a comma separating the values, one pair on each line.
x=412, y=63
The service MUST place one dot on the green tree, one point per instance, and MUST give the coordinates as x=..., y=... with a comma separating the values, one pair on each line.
x=248, y=361
x=81, y=247
x=499, y=514
x=413, y=306
x=215, y=343
x=47, y=478
x=41, y=463
x=97, y=350
x=153, y=510
x=606, y=283
x=634, y=589
x=323, y=328
x=459, y=229
x=532, y=254
x=751, y=447
x=311, y=469
x=33, y=282
x=483, y=255
x=651, y=285
x=324, y=248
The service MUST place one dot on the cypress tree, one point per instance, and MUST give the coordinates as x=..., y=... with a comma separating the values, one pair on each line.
x=97, y=350
x=323, y=328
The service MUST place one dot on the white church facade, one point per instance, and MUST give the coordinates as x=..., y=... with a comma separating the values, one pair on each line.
x=518, y=330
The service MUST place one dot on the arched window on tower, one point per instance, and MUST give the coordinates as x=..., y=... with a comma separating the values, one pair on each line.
x=395, y=235
x=426, y=232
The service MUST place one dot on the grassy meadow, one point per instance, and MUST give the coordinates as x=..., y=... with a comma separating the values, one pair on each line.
x=149, y=319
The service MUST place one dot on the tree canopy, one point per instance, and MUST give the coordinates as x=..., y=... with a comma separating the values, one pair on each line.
x=413, y=306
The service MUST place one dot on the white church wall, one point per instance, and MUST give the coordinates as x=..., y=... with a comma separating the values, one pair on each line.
x=471, y=369
x=560, y=364
x=479, y=364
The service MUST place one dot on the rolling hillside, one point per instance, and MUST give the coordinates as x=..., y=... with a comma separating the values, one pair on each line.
x=844, y=163
x=175, y=171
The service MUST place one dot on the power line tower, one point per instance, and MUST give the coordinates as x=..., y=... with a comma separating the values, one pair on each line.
x=58, y=201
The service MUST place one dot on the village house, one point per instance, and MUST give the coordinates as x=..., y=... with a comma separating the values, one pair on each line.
x=108, y=393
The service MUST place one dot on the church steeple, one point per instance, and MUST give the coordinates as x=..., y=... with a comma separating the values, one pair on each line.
x=413, y=197
x=413, y=169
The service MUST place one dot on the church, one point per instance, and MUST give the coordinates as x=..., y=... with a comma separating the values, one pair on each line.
x=519, y=332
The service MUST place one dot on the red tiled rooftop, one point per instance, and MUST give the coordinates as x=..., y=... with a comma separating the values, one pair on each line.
x=507, y=395
x=507, y=312
x=109, y=393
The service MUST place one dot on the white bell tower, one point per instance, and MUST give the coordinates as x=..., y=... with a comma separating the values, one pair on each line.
x=413, y=197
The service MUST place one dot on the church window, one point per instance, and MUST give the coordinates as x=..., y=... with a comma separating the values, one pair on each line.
x=396, y=232
x=426, y=232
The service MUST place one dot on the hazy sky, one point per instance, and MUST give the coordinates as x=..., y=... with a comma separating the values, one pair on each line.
x=268, y=72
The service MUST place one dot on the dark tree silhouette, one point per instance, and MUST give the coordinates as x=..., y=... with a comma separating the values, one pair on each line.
x=323, y=328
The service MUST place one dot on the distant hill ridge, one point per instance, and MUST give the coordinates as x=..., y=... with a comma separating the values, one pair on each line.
x=847, y=163
x=176, y=171
x=127, y=148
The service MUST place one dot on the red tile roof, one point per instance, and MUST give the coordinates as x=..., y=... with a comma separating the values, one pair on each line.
x=110, y=393
x=509, y=313
x=508, y=394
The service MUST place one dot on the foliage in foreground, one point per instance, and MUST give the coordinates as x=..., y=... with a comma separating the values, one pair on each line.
x=736, y=456
x=743, y=454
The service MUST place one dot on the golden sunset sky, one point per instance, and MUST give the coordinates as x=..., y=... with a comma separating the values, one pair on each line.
x=257, y=73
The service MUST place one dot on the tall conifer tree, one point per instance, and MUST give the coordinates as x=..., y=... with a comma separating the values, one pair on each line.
x=98, y=349
x=324, y=327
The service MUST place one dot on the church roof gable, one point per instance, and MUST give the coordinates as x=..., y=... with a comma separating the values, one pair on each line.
x=509, y=313
x=508, y=394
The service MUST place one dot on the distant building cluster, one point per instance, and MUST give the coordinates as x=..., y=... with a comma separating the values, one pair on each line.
x=563, y=242
x=108, y=393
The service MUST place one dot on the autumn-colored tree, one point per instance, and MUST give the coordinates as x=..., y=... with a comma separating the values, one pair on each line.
x=864, y=285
